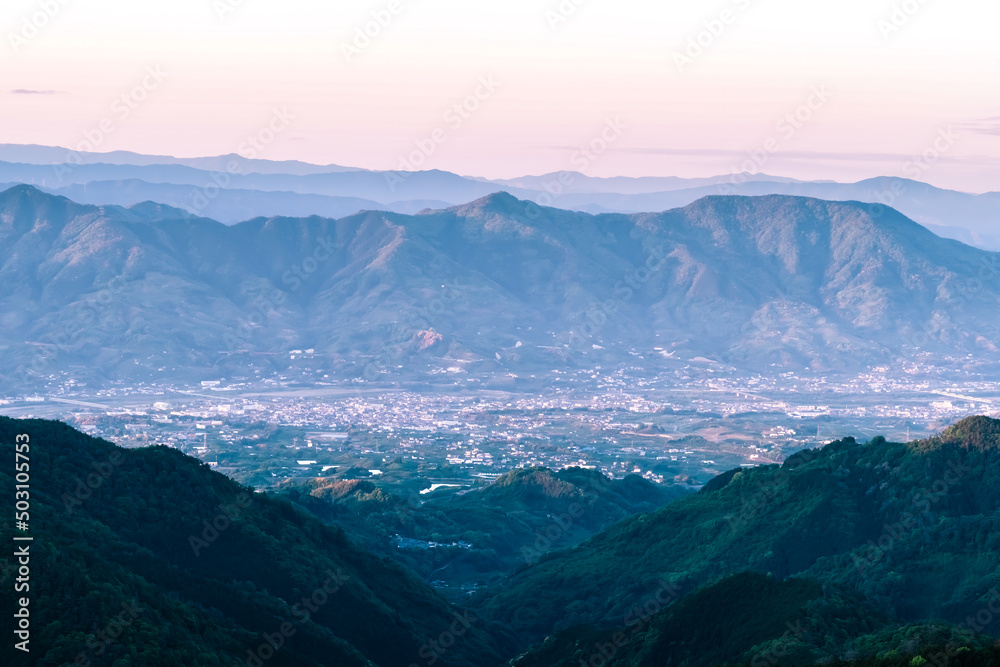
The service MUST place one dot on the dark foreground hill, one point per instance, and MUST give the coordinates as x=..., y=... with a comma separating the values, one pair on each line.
x=499, y=284
x=145, y=557
x=754, y=620
x=871, y=547
x=876, y=553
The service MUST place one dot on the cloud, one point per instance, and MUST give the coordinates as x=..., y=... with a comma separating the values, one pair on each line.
x=27, y=91
x=800, y=155
x=740, y=154
x=819, y=156
x=988, y=125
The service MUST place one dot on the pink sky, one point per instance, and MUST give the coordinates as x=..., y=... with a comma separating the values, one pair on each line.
x=890, y=85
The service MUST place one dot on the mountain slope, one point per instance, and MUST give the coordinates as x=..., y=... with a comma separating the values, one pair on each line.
x=910, y=528
x=754, y=619
x=494, y=284
x=209, y=571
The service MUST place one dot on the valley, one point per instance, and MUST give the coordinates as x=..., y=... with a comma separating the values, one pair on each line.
x=546, y=568
x=670, y=394
x=681, y=426
x=512, y=334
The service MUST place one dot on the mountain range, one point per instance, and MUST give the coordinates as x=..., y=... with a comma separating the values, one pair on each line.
x=232, y=189
x=150, y=292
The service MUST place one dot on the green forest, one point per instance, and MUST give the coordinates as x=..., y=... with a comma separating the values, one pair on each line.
x=873, y=553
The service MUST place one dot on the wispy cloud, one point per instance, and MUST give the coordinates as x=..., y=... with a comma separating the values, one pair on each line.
x=27, y=91
x=816, y=156
x=801, y=155
x=988, y=125
x=736, y=153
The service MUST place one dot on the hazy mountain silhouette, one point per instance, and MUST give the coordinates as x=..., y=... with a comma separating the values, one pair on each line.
x=290, y=188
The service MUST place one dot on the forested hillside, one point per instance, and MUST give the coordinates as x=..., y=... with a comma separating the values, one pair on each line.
x=206, y=572
x=897, y=535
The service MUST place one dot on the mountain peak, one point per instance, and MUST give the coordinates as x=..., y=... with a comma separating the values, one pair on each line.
x=21, y=190
x=498, y=202
x=979, y=432
x=25, y=194
x=775, y=211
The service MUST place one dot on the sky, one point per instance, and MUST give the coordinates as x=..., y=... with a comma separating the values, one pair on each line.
x=810, y=89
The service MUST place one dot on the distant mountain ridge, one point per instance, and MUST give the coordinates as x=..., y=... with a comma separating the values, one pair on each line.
x=494, y=284
x=55, y=155
x=291, y=188
x=233, y=193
